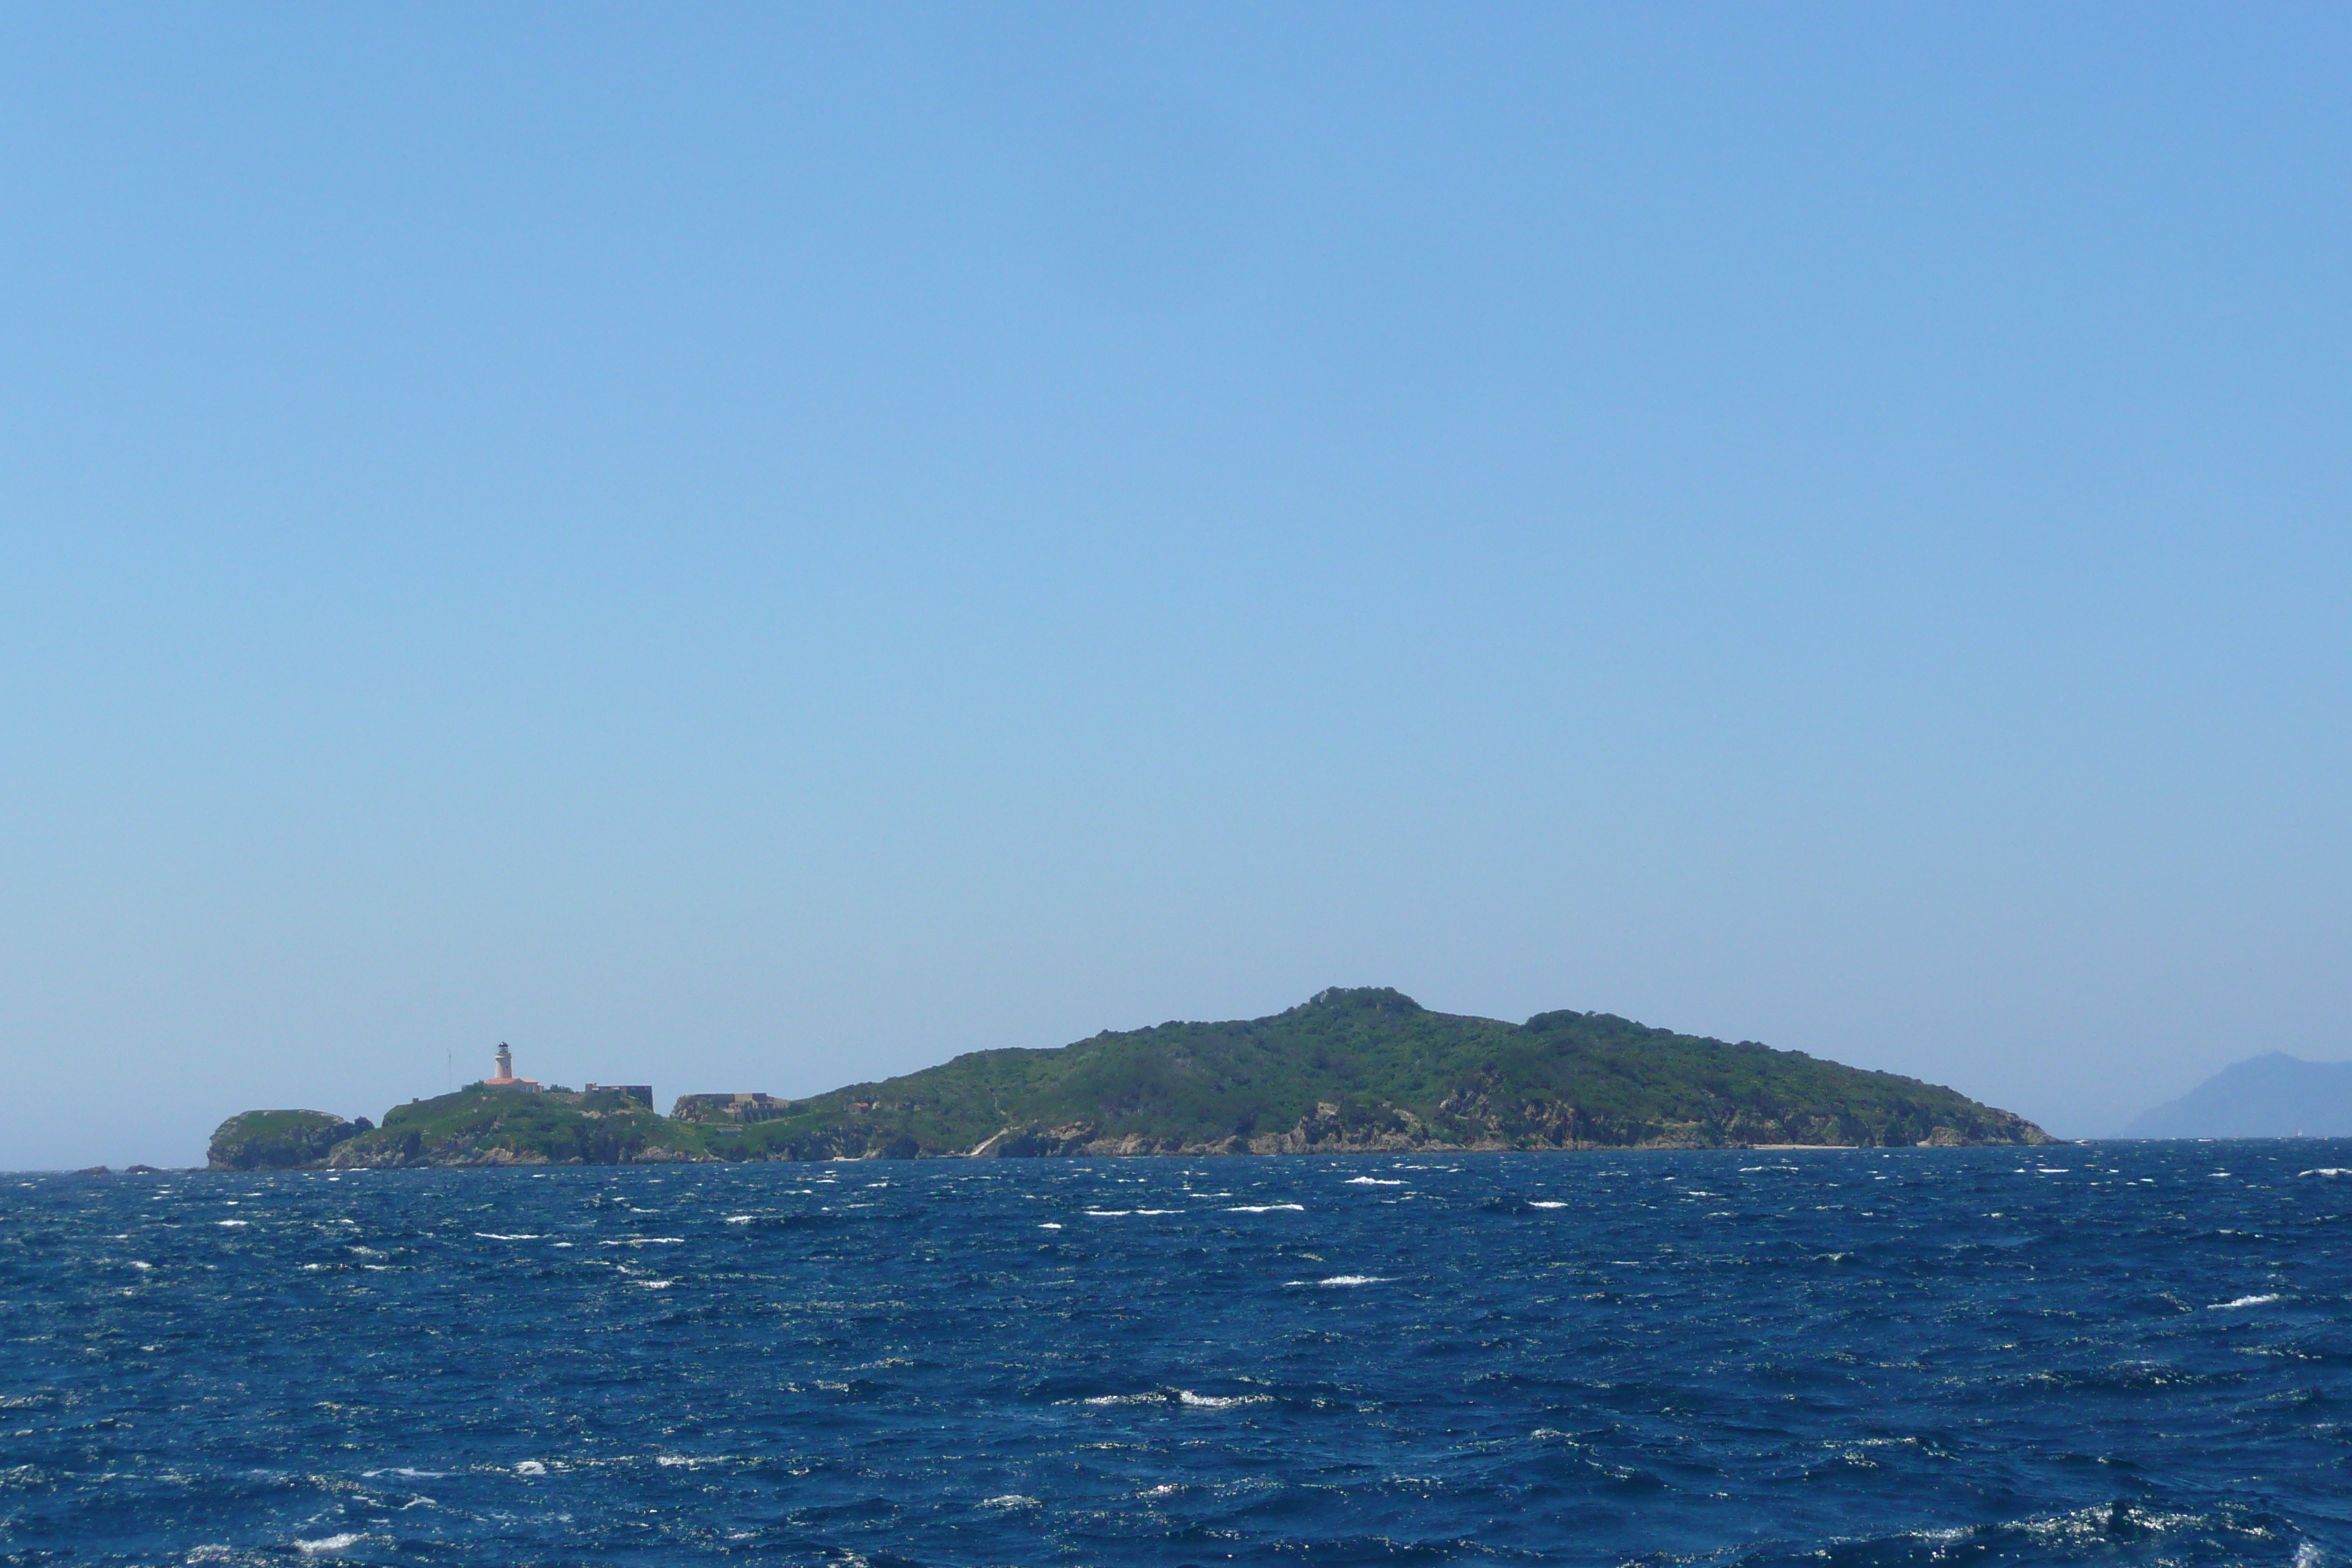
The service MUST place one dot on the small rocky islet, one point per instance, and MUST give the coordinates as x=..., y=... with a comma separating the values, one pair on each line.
x=1350, y=1070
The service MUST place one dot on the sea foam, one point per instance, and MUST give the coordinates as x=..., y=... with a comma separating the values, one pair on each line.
x=343, y=1543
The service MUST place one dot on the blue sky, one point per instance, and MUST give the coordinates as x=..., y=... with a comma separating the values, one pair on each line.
x=759, y=548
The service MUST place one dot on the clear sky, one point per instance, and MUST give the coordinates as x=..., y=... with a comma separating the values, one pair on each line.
x=751, y=549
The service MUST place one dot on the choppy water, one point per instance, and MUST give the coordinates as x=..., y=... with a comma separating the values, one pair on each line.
x=2128, y=1353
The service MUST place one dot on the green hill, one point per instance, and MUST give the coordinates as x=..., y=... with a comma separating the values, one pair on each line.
x=1348, y=1070
x=1373, y=1069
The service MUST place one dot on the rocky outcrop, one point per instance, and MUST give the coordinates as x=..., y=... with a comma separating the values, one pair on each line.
x=1033, y=1143
x=743, y=1110
x=279, y=1139
x=411, y=1152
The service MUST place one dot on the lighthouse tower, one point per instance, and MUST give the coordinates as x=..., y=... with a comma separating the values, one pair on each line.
x=505, y=1076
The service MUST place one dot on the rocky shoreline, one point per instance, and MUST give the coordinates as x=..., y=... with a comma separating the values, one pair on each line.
x=1323, y=1133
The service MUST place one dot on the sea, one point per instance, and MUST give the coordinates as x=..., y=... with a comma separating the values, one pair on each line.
x=2118, y=1354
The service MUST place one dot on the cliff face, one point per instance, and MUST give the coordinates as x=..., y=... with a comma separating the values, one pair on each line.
x=1347, y=1071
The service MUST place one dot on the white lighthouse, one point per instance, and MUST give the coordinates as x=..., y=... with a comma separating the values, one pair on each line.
x=505, y=1076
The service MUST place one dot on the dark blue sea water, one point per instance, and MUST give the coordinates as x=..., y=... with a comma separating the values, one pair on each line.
x=2128, y=1353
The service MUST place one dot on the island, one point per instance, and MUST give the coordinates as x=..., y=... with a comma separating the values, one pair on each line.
x=1350, y=1070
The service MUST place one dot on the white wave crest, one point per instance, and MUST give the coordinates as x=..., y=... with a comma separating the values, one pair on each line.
x=1544, y=1204
x=503, y=1235
x=1345, y=1279
x=1264, y=1208
x=742, y=1218
x=2241, y=1302
x=1374, y=1181
x=343, y=1543
x=2331, y=1171
x=1010, y=1500
x=1212, y=1402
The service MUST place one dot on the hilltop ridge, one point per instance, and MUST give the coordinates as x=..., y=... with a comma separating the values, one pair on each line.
x=1350, y=1070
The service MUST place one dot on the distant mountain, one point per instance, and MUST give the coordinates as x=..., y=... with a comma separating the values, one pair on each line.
x=2274, y=1095
x=1346, y=1071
